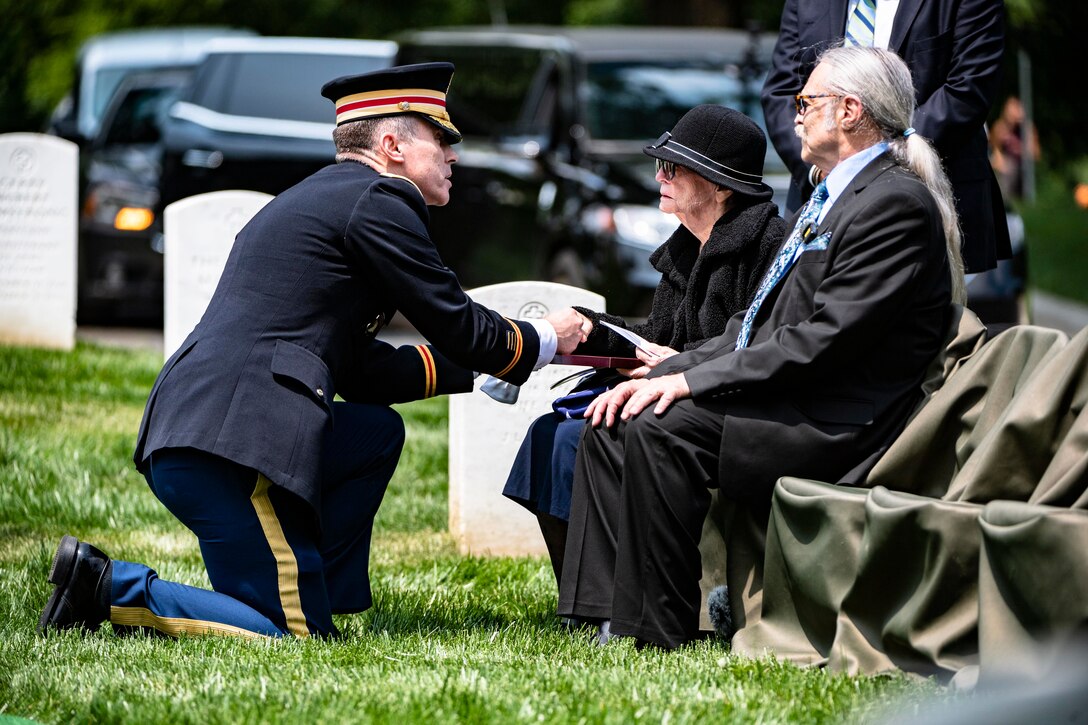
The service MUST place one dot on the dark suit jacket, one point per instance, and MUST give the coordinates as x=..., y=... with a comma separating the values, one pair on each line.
x=839, y=347
x=309, y=282
x=954, y=50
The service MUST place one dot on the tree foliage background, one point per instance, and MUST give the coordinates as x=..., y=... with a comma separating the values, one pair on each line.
x=39, y=40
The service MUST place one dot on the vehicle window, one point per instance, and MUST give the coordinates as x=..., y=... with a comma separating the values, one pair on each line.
x=139, y=116
x=492, y=92
x=210, y=87
x=286, y=85
x=638, y=100
x=106, y=82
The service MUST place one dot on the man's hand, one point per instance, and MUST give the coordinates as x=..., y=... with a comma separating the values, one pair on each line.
x=571, y=328
x=631, y=398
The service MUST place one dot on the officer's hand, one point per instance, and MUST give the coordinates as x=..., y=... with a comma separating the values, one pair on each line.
x=571, y=328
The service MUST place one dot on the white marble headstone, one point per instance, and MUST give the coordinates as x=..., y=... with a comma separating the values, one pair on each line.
x=199, y=233
x=38, y=199
x=485, y=435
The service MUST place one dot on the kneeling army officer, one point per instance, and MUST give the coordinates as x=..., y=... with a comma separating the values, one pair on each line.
x=241, y=438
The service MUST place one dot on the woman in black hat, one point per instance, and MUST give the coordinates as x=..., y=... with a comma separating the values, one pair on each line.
x=710, y=167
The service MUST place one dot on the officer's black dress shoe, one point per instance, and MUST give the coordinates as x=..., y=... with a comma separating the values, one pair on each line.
x=84, y=576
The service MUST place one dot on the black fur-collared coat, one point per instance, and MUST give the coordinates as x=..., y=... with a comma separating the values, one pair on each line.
x=699, y=290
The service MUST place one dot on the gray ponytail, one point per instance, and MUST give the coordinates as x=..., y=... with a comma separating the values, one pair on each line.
x=882, y=81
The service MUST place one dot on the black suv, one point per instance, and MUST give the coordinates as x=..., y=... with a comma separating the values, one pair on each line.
x=120, y=233
x=552, y=182
x=253, y=116
x=250, y=116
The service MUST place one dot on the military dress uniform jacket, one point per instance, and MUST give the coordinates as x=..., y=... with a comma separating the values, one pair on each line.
x=838, y=348
x=309, y=282
x=953, y=49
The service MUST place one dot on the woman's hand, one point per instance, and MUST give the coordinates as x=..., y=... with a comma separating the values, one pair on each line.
x=653, y=358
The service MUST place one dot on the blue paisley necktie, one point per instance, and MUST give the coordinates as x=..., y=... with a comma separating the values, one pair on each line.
x=787, y=255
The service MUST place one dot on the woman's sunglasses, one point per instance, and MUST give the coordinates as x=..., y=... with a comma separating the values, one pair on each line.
x=666, y=169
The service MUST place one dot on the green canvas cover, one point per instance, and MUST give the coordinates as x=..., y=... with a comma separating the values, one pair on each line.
x=1033, y=591
x=867, y=580
x=732, y=543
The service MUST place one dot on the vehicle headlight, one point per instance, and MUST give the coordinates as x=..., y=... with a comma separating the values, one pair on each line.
x=646, y=227
x=122, y=206
x=634, y=231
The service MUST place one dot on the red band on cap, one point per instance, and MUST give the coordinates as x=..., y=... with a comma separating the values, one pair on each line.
x=391, y=101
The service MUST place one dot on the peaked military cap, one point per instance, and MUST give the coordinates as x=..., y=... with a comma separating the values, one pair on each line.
x=419, y=88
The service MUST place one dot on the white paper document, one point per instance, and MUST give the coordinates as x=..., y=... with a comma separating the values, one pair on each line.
x=639, y=342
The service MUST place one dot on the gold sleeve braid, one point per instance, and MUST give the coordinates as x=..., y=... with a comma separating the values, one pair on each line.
x=430, y=373
x=514, y=344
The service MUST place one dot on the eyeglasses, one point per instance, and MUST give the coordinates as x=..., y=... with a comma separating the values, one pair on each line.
x=802, y=102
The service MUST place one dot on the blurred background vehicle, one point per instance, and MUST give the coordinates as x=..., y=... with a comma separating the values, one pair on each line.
x=253, y=116
x=248, y=116
x=120, y=264
x=552, y=182
x=121, y=85
x=104, y=61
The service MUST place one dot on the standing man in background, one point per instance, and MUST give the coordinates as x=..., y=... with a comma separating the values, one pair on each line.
x=953, y=49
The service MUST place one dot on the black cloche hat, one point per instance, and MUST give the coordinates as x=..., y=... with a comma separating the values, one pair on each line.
x=720, y=144
x=420, y=88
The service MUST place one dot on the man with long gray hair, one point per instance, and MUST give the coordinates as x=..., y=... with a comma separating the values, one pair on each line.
x=814, y=380
x=953, y=49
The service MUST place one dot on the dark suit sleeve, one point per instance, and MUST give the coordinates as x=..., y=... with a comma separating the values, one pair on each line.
x=388, y=233
x=874, y=275
x=401, y=374
x=971, y=51
x=785, y=80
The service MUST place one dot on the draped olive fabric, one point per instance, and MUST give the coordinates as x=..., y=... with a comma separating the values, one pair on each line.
x=951, y=425
x=814, y=527
x=1033, y=590
x=912, y=603
x=732, y=554
x=865, y=580
x=732, y=543
x=1036, y=450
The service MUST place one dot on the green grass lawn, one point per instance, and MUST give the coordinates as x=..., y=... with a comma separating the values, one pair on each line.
x=1056, y=231
x=449, y=639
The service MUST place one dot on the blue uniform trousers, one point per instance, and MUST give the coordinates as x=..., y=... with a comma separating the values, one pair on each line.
x=274, y=568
